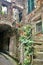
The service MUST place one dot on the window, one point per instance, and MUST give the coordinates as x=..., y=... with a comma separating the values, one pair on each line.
x=20, y=16
x=4, y=9
x=30, y=5
x=39, y=27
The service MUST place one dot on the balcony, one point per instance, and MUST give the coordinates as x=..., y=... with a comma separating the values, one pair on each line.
x=5, y=19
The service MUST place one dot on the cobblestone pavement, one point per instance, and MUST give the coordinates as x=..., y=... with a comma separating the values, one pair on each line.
x=5, y=60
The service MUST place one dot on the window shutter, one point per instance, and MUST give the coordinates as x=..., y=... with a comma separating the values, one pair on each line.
x=30, y=5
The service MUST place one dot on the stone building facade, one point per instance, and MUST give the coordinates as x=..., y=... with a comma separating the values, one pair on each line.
x=8, y=29
x=35, y=18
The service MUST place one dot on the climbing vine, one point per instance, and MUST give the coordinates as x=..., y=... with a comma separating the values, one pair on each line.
x=26, y=39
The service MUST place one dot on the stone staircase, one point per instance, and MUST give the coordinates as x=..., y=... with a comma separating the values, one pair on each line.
x=38, y=53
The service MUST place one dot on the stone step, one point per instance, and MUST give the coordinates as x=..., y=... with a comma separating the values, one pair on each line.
x=38, y=62
x=38, y=48
x=38, y=52
x=39, y=55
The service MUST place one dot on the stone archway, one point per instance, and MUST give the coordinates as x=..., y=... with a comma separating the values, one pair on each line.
x=9, y=40
x=5, y=31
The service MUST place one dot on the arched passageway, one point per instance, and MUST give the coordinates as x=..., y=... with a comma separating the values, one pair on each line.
x=9, y=40
x=5, y=31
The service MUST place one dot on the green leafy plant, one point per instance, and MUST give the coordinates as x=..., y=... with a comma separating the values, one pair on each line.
x=26, y=61
x=26, y=39
x=1, y=12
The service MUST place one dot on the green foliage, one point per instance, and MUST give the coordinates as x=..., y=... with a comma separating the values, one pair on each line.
x=1, y=12
x=26, y=40
x=26, y=61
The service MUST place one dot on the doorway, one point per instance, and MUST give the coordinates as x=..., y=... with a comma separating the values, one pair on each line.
x=4, y=38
